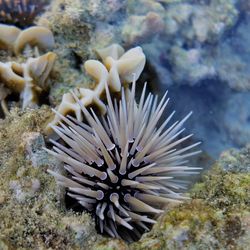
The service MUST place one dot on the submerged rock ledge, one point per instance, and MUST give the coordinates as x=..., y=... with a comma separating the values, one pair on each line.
x=33, y=215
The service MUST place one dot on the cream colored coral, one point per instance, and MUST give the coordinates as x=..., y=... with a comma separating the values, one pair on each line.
x=4, y=92
x=8, y=36
x=119, y=68
x=88, y=97
x=122, y=67
x=28, y=78
x=10, y=76
x=15, y=39
x=115, y=51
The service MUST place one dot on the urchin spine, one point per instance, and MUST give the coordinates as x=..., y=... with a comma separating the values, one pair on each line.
x=121, y=166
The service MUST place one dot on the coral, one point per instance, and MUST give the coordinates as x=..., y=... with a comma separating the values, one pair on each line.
x=183, y=52
x=120, y=70
x=15, y=39
x=20, y=12
x=123, y=67
x=183, y=25
x=4, y=92
x=28, y=79
x=139, y=28
x=232, y=59
x=189, y=65
x=198, y=43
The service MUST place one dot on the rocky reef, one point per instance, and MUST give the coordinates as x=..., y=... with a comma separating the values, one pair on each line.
x=217, y=217
x=198, y=49
x=31, y=216
x=33, y=213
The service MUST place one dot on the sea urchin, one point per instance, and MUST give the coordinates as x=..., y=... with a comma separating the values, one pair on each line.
x=20, y=12
x=121, y=167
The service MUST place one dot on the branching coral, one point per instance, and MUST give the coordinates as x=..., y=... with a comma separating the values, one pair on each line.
x=28, y=79
x=120, y=69
x=15, y=39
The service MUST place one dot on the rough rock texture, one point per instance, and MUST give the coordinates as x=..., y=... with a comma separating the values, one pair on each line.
x=218, y=215
x=184, y=51
x=31, y=215
x=183, y=37
x=236, y=161
x=76, y=25
x=182, y=31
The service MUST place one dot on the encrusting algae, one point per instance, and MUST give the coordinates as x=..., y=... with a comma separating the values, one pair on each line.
x=40, y=219
x=30, y=216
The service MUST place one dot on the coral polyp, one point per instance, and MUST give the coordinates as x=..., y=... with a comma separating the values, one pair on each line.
x=123, y=167
x=20, y=12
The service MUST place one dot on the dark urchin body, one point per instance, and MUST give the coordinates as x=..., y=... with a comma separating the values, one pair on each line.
x=20, y=12
x=122, y=167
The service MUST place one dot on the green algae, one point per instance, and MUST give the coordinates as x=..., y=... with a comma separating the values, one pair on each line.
x=108, y=244
x=34, y=216
x=224, y=190
x=217, y=217
x=31, y=216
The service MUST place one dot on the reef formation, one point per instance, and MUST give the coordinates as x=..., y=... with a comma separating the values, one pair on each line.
x=186, y=53
x=15, y=39
x=199, y=50
x=28, y=78
x=33, y=212
x=119, y=69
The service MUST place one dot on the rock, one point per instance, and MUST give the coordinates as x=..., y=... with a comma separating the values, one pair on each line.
x=111, y=244
x=216, y=218
x=33, y=142
x=30, y=212
x=236, y=161
x=188, y=44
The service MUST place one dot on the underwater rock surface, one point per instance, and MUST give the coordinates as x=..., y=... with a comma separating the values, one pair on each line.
x=218, y=215
x=197, y=49
x=30, y=215
x=33, y=215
